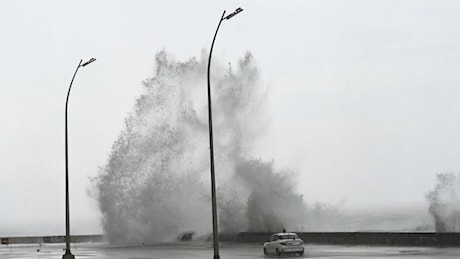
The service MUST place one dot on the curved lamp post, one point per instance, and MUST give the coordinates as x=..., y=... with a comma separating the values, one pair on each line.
x=215, y=232
x=68, y=254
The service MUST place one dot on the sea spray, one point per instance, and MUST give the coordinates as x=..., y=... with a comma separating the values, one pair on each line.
x=156, y=185
x=272, y=204
x=444, y=203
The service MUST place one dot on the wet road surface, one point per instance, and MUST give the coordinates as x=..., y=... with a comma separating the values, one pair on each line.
x=227, y=250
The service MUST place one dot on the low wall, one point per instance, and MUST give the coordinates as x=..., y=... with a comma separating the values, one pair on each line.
x=330, y=238
x=365, y=238
x=51, y=239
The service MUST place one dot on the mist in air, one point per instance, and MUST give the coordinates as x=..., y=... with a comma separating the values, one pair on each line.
x=444, y=203
x=156, y=182
x=156, y=186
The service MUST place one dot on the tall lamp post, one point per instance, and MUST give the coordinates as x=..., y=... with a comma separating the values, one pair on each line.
x=215, y=232
x=68, y=254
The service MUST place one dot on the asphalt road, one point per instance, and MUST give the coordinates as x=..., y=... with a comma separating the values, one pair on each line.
x=205, y=250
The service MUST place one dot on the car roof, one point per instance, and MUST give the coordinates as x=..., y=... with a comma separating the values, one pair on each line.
x=284, y=234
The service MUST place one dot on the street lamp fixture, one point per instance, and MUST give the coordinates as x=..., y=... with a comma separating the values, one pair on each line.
x=88, y=62
x=215, y=233
x=237, y=11
x=68, y=254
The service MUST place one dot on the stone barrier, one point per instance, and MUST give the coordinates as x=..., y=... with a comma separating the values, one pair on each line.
x=427, y=239
x=51, y=239
x=365, y=238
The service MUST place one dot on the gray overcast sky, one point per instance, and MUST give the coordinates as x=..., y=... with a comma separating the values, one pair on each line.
x=364, y=95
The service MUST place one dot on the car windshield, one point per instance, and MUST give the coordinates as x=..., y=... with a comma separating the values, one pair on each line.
x=289, y=236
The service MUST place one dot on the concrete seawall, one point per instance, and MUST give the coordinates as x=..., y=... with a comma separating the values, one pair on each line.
x=330, y=238
x=51, y=239
x=365, y=238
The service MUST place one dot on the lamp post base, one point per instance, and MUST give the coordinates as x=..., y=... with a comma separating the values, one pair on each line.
x=68, y=255
x=216, y=257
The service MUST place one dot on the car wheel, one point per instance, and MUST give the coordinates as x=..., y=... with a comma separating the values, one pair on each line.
x=265, y=251
x=278, y=253
x=301, y=253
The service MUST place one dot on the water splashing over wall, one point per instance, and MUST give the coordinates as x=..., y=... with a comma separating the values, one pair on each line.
x=445, y=203
x=155, y=184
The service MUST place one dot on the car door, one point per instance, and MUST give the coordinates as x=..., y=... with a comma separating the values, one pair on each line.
x=273, y=244
x=269, y=245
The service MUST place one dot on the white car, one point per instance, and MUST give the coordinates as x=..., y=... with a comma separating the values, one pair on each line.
x=282, y=243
